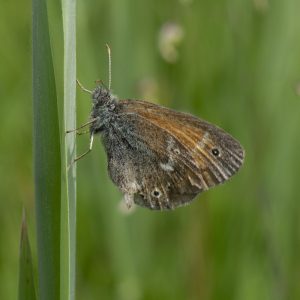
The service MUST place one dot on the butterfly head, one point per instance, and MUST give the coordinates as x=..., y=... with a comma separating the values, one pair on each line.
x=104, y=104
x=101, y=96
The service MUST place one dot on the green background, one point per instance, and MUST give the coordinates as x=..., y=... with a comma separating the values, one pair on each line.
x=238, y=66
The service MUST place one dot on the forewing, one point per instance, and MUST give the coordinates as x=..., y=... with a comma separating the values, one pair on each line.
x=190, y=155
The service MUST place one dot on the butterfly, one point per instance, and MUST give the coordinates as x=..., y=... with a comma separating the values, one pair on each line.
x=158, y=157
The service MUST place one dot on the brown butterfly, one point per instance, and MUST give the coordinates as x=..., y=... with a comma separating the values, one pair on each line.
x=160, y=158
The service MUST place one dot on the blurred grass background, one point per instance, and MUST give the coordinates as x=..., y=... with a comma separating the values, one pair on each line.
x=234, y=63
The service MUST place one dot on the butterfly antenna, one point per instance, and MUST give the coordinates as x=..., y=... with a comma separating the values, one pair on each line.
x=109, y=66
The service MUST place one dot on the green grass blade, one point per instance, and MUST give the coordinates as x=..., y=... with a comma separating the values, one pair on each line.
x=47, y=160
x=68, y=214
x=26, y=283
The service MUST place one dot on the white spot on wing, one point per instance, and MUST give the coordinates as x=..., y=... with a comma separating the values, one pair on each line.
x=167, y=167
x=170, y=143
x=194, y=183
x=171, y=147
x=177, y=151
x=133, y=187
x=128, y=200
x=202, y=142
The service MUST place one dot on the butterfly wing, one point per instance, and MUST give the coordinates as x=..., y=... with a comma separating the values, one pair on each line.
x=174, y=156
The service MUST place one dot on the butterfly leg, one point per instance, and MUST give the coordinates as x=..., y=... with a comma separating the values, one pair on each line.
x=82, y=132
x=85, y=153
x=88, y=151
x=83, y=125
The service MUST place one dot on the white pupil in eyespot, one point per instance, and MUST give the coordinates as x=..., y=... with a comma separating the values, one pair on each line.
x=215, y=152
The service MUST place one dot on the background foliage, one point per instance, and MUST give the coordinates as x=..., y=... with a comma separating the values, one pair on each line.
x=238, y=66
